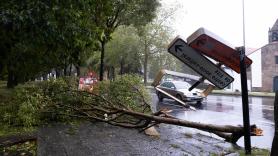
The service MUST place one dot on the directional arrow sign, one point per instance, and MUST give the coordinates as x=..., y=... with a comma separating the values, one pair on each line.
x=215, y=47
x=199, y=63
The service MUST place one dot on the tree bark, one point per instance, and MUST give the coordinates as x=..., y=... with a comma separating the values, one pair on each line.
x=44, y=77
x=58, y=74
x=65, y=70
x=12, y=79
x=274, y=148
x=77, y=70
x=146, y=58
x=101, y=70
x=121, y=66
x=70, y=69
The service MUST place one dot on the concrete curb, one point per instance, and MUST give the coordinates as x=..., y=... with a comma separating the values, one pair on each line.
x=258, y=94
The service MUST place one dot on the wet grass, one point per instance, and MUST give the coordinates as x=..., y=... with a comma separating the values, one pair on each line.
x=175, y=146
x=188, y=135
x=256, y=152
x=27, y=148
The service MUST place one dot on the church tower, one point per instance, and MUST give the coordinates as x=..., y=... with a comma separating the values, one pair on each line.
x=273, y=33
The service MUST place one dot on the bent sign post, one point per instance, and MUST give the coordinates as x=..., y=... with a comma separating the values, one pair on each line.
x=199, y=63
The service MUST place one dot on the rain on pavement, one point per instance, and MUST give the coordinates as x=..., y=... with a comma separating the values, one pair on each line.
x=227, y=110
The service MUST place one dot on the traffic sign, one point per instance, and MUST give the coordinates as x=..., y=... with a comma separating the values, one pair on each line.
x=199, y=63
x=213, y=46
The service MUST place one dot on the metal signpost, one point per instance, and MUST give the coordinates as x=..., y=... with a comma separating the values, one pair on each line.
x=199, y=63
x=245, y=103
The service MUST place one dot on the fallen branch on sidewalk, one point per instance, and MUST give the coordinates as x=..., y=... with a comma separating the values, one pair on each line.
x=98, y=108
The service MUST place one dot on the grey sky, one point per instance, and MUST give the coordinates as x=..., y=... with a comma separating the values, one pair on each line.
x=224, y=18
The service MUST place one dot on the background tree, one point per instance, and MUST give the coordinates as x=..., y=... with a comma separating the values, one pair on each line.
x=123, y=52
x=108, y=15
x=38, y=36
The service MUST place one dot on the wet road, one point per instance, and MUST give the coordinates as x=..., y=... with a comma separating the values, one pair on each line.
x=227, y=110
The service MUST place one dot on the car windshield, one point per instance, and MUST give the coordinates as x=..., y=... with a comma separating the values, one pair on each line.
x=182, y=85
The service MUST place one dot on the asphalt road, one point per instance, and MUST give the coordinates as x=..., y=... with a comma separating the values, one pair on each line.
x=227, y=110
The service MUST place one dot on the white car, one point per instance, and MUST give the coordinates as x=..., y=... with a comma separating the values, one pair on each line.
x=179, y=89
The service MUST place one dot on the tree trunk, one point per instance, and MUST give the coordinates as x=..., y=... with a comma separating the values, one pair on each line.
x=274, y=148
x=101, y=70
x=44, y=77
x=70, y=70
x=121, y=67
x=113, y=73
x=58, y=74
x=12, y=79
x=1, y=68
x=65, y=70
x=77, y=70
x=146, y=58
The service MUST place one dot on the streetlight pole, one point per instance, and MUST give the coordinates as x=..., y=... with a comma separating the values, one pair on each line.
x=244, y=90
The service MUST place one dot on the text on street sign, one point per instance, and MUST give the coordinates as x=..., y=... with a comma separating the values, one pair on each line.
x=199, y=63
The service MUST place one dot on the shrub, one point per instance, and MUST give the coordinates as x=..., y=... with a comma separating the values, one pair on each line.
x=36, y=103
x=127, y=90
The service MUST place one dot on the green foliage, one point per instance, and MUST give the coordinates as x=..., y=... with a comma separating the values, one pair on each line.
x=256, y=152
x=37, y=103
x=27, y=148
x=127, y=90
x=30, y=100
x=35, y=36
x=123, y=51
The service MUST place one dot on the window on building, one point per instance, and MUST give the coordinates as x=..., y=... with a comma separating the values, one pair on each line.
x=274, y=36
x=276, y=59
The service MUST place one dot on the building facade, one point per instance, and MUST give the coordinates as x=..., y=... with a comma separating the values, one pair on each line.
x=264, y=69
x=263, y=73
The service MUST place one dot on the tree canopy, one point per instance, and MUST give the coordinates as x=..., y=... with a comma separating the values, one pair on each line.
x=109, y=15
x=37, y=36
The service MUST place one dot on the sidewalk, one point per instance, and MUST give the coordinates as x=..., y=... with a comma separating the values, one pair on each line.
x=100, y=139
x=259, y=94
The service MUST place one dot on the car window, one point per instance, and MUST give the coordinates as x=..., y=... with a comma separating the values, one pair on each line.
x=182, y=85
x=171, y=85
x=166, y=84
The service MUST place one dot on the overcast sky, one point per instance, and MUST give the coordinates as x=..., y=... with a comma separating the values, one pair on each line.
x=224, y=18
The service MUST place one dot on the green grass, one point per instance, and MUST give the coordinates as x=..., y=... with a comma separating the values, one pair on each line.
x=188, y=135
x=6, y=130
x=5, y=93
x=256, y=152
x=27, y=148
x=174, y=145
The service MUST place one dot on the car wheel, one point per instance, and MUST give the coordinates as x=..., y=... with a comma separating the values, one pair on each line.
x=160, y=98
x=199, y=103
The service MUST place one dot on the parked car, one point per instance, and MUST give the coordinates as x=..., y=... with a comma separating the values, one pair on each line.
x=179, y=89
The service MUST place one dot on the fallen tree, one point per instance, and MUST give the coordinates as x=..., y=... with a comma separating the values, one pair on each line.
x=119, y=114
x=122, y=102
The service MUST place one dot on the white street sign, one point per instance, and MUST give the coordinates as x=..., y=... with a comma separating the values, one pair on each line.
x=199, y=63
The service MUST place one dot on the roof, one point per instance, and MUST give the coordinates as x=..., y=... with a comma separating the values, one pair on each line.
x=275, y=26
x=249, y=51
